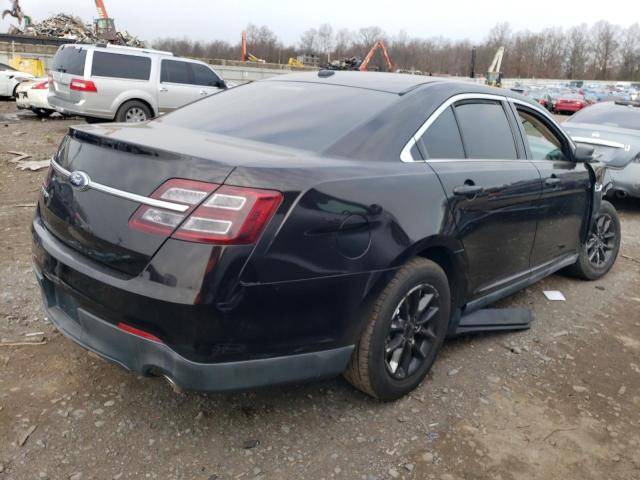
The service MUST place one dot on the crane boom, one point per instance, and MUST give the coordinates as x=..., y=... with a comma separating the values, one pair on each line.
x=497, y=61
x=102, y=10
x=378, y=45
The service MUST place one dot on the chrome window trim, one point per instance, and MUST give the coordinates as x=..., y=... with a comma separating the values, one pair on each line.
x=133, y=197
x=405, y=154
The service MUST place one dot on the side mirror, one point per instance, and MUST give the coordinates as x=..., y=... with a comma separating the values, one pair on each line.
x=583, y=154
x=221, y=84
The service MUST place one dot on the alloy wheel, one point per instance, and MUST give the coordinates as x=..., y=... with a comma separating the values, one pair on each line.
x=135, y=115
x=412, y=333
x=601, y=242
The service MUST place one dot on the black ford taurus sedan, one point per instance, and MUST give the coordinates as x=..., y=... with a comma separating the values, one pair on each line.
x=311, y=225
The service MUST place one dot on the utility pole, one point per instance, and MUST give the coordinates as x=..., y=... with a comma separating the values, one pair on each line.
x=472, y=74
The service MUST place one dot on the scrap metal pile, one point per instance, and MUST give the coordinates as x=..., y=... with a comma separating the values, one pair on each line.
x=69, y=26
x=352, y=63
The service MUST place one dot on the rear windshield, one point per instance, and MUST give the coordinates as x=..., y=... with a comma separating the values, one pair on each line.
x=310, y=116
x=117, y=65
x=70, y=60
x=614, y=116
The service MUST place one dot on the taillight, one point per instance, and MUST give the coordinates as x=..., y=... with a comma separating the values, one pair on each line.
x=163, y=222
x=41, y=86
x=82, y=85
x=232, y=215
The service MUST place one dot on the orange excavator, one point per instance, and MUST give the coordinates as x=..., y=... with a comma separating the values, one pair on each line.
x=104, y=26
x=379, y=45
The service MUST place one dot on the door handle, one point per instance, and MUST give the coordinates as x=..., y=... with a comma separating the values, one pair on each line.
x=204, y=92
x=468, y=190
x=164, y=89
x=552, y=181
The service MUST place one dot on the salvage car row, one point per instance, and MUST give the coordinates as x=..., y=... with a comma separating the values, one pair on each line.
x=568, y=98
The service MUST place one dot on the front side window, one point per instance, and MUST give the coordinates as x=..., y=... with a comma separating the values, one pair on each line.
x=485, y=130
x=173, y=71
x=116, y=65
x=543, y=143
x=442, y=138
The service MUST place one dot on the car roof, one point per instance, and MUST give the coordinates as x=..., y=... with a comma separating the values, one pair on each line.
x=397, y=83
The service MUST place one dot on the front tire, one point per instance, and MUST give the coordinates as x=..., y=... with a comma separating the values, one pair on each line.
x=133, y=112
x=600, y=251
x=406, y=326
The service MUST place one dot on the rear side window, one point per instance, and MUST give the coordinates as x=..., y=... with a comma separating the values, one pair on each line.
x=486, y=131
x=204, y=76
x=173, y=71
x=116, y=65
x=442, y=138
x=70, y=60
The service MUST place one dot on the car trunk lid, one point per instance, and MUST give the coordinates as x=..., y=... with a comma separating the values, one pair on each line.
x=136, y=160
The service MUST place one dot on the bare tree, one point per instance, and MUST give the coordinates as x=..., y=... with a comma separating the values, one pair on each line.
x=630, y=53
x=577, y=51
x=604, y=51
x=309, y=41
x=370, y=35
x=605, y=45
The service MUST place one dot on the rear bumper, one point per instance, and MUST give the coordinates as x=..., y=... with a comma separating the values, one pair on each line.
x=79, y=109
x=149, y=357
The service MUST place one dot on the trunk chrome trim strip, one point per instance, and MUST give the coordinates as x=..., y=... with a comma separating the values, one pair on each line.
x=133, y=197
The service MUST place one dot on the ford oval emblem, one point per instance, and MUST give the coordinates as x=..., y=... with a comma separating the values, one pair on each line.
x=79, y=180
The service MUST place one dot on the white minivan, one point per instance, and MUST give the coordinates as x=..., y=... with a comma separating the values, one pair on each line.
x=109, y=82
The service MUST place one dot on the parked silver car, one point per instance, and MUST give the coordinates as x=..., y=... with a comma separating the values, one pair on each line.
x=107, y=82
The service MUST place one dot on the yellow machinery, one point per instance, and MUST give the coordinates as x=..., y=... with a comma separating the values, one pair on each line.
x=34, y=66
x=294, y=62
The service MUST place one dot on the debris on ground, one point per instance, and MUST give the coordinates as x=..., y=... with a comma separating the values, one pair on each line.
x=72, y=27
x=19, y=156
x=33, y=165
x=554, y=295
x=22, y=439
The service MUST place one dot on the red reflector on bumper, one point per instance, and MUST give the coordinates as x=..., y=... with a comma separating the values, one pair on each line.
x=138, y=333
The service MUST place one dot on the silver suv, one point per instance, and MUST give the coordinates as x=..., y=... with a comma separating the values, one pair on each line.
x=107, y=82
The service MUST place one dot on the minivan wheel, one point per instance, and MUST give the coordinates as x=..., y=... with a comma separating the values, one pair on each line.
x=133, y=112
x=406, y=326
x=600, y=251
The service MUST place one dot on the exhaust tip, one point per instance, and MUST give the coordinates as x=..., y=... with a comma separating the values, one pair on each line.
x=172, y=383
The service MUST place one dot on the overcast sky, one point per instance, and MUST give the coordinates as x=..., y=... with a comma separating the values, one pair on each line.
x=223, y=19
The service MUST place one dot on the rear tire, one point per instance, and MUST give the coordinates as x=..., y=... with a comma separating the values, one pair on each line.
x=376, y=368
x=600, y=251
x=42, y=112
x=92, y=120
x=133, y=111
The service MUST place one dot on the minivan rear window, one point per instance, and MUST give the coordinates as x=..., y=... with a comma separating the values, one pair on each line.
x=309, y=116
x=70, y=59
x=117, y=65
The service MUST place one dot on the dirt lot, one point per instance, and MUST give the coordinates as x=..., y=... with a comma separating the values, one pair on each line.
x=560, y=401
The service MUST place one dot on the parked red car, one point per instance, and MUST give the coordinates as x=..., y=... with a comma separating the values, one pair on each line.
x=569, y=103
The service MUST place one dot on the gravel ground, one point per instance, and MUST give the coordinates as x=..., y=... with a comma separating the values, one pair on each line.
x=560, y=401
